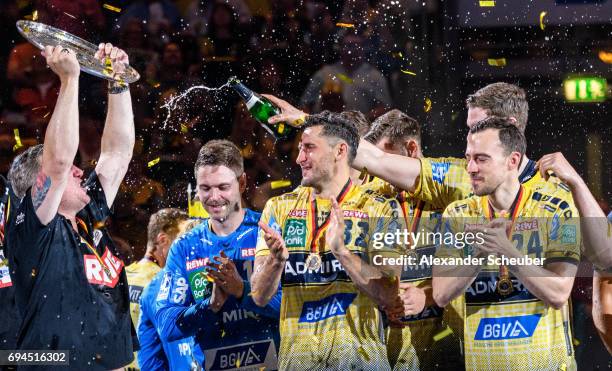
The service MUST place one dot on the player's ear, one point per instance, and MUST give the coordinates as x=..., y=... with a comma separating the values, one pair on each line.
x=412, y=148
x=162, y=239
x=242, y=182
x=341, y=150
x=514, y=161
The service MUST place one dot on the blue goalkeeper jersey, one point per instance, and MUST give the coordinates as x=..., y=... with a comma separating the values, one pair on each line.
x=155, y=354
x=241, y=334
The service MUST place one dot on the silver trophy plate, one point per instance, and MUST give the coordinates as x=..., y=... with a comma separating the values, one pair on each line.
x=41, y=35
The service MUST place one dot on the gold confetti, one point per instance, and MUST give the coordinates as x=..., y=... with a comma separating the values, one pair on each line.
x=576, y=342
x=487, y=3
x=111, y=8
x=276, y=184
x=364, y=354
x=153, y=162
x=345, y=25
x=408, y=72
x=442, y=334
x=262, y=368
x=17, y=140
x=499, y=62
x=47, y=114
x=39, y=107
x=605, y=56
x=184, y=128
x=238, y=363
x=542, y=15
x=70, y=15
x=3, y=263
x=222, y=333
x=400, y=55
x=35, y=15
x=427, y=104
x=156, y=85
x=345, y=78
x=33, y=272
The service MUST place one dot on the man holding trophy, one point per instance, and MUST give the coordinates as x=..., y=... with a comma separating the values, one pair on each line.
x=71, y=288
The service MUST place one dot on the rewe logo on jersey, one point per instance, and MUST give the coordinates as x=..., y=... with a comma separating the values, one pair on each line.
x=331, y=306
x=295, y=233
x=506, y=328
x=96, y=272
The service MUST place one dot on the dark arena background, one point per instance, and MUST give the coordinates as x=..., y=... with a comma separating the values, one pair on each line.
x=426, y=56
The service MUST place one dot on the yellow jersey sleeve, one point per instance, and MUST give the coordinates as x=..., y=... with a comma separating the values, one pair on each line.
x=268, y=218
x=442, y=181
x=563, y=240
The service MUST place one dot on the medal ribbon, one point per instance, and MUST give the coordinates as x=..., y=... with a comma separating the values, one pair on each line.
x=416, y=217
x=312, y=216
x=514, y=211
x=88, y=241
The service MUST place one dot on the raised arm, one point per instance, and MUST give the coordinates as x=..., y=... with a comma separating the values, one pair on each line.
x=402, y=172
x=118, y=136
x=594, y=226
x=62, y=135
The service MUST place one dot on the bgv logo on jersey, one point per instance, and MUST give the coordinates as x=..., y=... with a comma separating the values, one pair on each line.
x=506, y=328
x=331, y=306
x=95, y=272
x=241, y=356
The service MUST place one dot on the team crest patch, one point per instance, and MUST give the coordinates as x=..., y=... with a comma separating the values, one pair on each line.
x=439, y=171
x=295, y=233
x=568, y=234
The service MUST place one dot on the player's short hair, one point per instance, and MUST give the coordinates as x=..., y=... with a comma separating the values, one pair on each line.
x=24, y=169
x=359, y=120
x=503, y=100
x=510, y=136
x=395, y=125
x=220, y=152
x=166, y=221
x=335, y=128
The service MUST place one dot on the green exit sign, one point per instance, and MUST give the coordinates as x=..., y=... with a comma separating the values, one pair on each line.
x=585, y=89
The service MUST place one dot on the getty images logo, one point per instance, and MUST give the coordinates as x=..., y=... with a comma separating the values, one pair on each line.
x=506, y=328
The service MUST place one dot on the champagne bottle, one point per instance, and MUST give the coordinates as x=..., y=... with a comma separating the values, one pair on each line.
x=261, y=109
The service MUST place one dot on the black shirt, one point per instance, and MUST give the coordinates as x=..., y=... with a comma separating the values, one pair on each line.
x=10, y=320
x=66, y=299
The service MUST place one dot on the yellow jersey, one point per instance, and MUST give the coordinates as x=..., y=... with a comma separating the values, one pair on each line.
x=326, y=322
x=139, y=275
x=421, y=344
x=517, y=331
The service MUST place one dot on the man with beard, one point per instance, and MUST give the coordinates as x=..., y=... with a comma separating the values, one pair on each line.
x=70, y=287
x=322, y=243
x=410, y=342
x=514, y=308
x=205, y=290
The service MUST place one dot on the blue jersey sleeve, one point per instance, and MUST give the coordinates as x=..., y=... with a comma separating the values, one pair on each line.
x=151, y=355
x=177, y=315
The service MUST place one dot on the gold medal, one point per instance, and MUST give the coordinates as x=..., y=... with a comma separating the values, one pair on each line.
x=313, y=262
x=504, y=286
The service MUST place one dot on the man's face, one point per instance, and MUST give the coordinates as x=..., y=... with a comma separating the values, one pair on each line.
x=219, y=191
x=476, y=114
x=75, y=195
x=487, y=165
x=315, y=157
